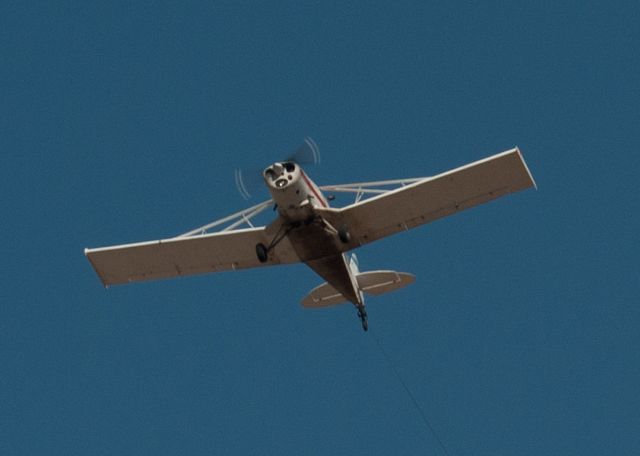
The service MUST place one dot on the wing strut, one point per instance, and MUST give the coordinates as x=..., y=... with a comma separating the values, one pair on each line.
x=363, y=188
x=235, y=220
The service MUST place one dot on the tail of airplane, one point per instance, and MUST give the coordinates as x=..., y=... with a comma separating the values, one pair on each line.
x=371, y=283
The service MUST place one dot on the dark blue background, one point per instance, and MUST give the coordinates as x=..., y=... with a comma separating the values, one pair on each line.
x=123, y=122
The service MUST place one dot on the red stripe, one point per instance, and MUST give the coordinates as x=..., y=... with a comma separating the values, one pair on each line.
x=313, y=189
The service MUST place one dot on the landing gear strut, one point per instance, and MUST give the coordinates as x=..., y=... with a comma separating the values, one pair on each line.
x=262, y=251
x=362, y=314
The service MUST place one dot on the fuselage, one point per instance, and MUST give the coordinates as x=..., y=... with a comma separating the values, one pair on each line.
x=316, y=242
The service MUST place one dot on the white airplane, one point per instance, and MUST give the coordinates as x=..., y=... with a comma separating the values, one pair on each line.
x=308, y=230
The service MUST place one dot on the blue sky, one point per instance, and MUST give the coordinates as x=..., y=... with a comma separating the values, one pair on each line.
x=123, y=122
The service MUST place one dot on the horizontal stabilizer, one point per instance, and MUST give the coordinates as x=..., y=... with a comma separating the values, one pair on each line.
x=380, y=282
x=373, y=283
x=323, y=296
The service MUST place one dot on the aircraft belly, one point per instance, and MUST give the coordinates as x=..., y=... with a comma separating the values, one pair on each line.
x=321, y=251
x=335, y=270
x=312, y=242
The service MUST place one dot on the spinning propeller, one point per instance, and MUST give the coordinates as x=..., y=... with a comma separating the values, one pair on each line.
x=249, y=181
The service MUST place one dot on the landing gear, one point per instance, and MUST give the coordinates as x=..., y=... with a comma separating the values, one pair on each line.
x=262, y=252
x=343, y=234
x=362, y=314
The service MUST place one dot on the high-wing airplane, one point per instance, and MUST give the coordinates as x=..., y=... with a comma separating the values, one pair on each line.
x=308, y=230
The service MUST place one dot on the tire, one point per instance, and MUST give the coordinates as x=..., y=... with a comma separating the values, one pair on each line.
x=262, y=253
x=343, y=234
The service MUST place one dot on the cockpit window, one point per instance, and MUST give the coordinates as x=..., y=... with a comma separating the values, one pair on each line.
x=289, y=166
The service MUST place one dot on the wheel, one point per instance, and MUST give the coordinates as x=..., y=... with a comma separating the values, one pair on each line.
x=262, y=253
x=343, y=234
x=362, y=314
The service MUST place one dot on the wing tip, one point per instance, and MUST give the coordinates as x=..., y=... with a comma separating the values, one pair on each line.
x=524, y=163
x=104, y=282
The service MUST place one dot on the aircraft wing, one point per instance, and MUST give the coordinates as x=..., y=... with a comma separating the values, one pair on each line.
x=187, y=255
x=429, y=199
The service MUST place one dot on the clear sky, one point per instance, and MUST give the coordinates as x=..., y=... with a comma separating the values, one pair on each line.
x=124, y=121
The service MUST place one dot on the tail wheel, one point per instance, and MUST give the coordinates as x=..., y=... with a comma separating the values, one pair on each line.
x=262, y=253
x=343, y=234
x=363, y=318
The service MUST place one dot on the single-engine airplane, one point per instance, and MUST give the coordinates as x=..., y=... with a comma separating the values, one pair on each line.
x=308, y=230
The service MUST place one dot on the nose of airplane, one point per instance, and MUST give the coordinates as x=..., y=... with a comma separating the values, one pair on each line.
x=280, y=175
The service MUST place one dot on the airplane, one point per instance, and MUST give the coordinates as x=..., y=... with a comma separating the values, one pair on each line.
x=308, y=230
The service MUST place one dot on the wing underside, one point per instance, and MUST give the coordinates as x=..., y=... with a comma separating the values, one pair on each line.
x=421, y=201
x=181, y=256
x=429, y=199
